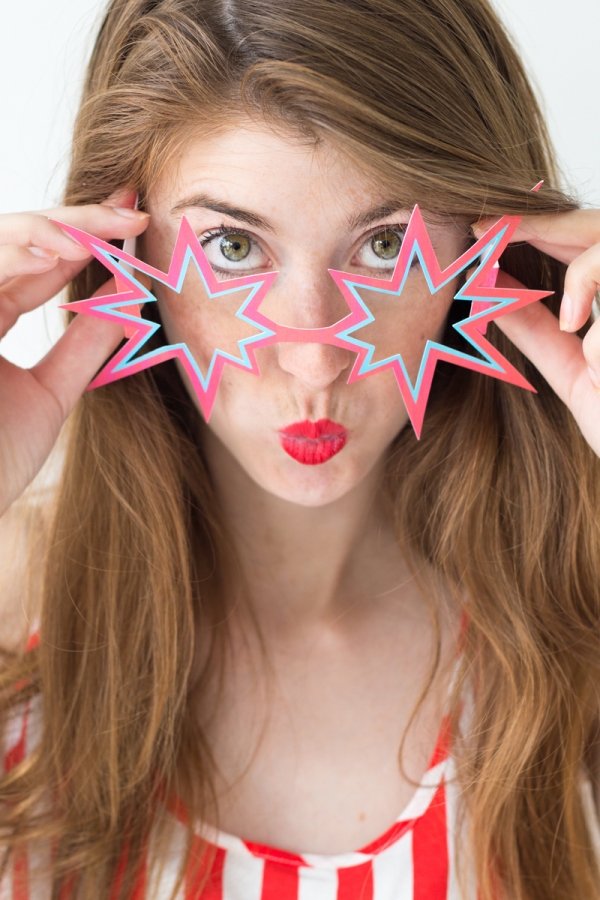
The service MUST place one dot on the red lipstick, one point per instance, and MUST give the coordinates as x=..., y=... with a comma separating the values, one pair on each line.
x=312, y=443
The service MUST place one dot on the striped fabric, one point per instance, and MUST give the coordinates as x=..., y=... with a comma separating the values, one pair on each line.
x=413, y=860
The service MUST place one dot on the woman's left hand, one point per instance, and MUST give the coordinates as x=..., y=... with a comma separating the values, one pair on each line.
x=570, y=365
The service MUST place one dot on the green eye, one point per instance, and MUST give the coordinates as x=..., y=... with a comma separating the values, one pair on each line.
x=385, y=244
x=235, y=247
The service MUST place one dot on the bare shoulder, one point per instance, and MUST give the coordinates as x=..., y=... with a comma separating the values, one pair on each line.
x=21, y=537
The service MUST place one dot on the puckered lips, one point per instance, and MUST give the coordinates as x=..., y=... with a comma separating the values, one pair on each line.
x=312, y=443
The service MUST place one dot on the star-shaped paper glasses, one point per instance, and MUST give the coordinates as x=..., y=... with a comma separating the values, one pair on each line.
x=124, y=308
x=487, y=303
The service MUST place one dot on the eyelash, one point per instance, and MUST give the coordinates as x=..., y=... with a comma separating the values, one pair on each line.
x=400, y=230
x=223, y=229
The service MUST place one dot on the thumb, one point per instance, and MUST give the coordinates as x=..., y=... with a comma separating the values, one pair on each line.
x=556, y=354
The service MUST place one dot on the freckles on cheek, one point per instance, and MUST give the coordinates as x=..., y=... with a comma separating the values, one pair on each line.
x=204, y=323
x=404, y=324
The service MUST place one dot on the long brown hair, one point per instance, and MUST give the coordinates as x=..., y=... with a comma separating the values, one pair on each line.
x=499, y=496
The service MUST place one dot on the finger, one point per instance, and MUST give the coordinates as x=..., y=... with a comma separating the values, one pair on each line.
x=563, y=236
x=104, y=221
x=70, y=365
x=32, y=230
x=581, y=283
x=123, y=198
x=26, y=292
x=14, y=263
x=558, y=356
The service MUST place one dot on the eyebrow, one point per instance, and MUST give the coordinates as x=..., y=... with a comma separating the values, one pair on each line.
x=362, y=220
x=202, y=201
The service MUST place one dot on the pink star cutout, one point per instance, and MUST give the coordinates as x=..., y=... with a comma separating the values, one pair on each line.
x=124, y=308
x=487, y=303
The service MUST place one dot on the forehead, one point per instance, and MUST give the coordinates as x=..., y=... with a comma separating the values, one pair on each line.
x=261, y=168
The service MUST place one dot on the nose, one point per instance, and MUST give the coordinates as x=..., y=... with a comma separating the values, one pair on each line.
x=312, y=303
x=315, y=365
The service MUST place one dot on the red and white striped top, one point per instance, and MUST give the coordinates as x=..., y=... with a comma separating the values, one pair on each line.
x=413, y=860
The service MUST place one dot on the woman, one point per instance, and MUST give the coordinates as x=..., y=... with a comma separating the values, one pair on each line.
x=249, y=664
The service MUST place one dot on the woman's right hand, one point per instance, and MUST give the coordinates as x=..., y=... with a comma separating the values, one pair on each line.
x=37, y=260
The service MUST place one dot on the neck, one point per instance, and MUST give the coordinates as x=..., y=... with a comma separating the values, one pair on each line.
x=302, y=565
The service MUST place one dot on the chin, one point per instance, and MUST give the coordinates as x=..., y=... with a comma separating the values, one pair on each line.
x=311, y=486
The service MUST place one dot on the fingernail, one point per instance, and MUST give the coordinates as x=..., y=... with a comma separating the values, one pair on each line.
x=131, y=213
x=566, y=313
x=594, y=380
x=44, y=254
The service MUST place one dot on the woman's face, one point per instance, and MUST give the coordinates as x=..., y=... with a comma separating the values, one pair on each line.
x=258, y=202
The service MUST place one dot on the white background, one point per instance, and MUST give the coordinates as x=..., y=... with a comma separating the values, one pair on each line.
x=44, y=44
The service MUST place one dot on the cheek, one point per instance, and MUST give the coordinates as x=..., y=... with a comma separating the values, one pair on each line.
x=404, y=324
x=204, y=323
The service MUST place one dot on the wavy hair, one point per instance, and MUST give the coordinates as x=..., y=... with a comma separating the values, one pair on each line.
x=500, y=496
